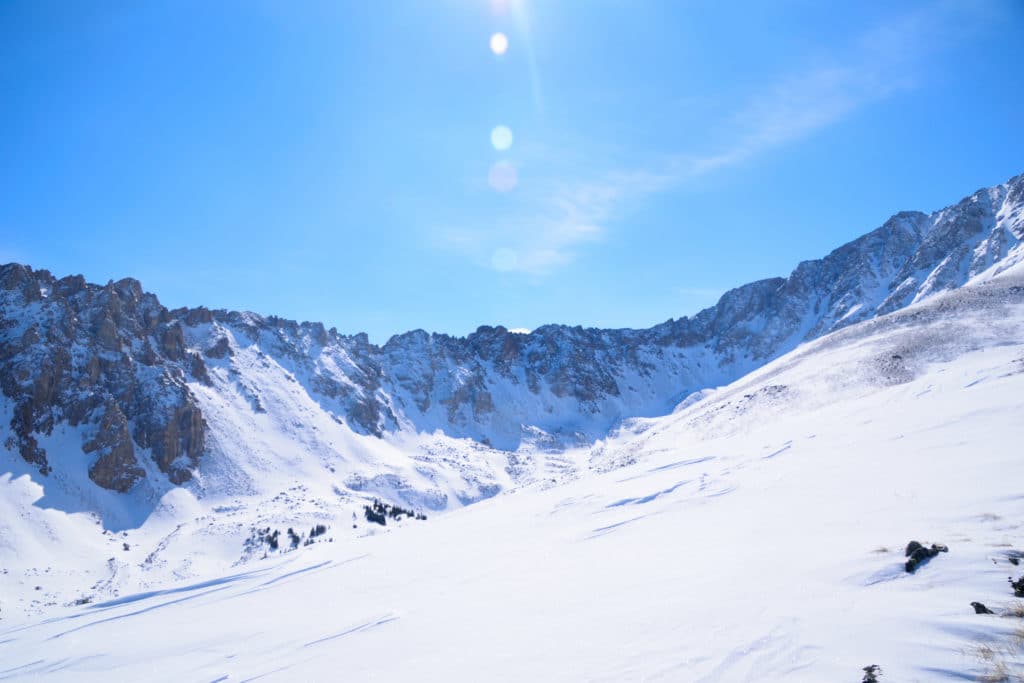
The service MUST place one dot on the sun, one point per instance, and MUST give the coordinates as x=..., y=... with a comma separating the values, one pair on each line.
x=499, y=43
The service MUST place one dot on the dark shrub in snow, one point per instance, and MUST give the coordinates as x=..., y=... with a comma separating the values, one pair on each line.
x=871, y=674
x=918, y=554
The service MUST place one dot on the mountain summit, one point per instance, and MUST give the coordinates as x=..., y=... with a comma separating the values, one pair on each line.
x=159, y=396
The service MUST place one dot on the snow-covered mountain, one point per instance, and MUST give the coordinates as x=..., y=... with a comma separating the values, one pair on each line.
x=723, y=497
x=159, y=397
x=757, y=534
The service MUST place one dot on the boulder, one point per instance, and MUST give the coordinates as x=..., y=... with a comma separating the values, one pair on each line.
x=979, y=608
x=917, y=554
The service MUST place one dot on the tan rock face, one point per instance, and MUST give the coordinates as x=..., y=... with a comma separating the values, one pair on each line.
x=198, y=316
x=116, y=467
x=172, y=342
x=111, y=356
x=197, y=368
x=106, y=334
x=180, y=443
x=220, y=349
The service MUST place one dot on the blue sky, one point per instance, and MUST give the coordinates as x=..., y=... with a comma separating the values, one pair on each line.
x=333, y=161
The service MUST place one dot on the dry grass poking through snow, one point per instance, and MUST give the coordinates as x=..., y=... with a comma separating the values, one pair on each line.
x=998, y=673
x=1001, y=661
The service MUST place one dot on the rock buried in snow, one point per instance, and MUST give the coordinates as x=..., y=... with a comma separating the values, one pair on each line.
x=918, y=554
x=979, y=608
x=914, y=546
x=1018, y=586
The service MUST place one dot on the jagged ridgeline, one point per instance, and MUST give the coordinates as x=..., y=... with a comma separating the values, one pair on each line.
x=78, y=353
x=137, y=377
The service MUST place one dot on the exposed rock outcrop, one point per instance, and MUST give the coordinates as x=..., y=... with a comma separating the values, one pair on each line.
x=115, y=467
x=113, y=357
x=76, y=353
x=918, y=554
x=980, y=608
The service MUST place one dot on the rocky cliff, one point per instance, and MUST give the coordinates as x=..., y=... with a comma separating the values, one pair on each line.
x=137, y=377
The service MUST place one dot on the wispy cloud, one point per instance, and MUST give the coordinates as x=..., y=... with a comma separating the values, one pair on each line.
x=557, y=219
x=884, y=61
x=787, y=112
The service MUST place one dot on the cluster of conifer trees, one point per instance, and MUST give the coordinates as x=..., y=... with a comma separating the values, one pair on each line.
x=379, y=512
x=272, y=538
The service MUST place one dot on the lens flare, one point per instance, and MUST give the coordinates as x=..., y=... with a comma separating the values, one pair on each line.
x=501, y=138
x=499, y=43
x=503, y=177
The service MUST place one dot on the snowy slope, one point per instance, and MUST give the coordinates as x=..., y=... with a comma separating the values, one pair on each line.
x=149, y=444
x=756, y=534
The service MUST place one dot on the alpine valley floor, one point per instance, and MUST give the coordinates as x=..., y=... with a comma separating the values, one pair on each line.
x=756, y=534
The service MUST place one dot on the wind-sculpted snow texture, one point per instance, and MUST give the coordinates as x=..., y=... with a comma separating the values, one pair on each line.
x=758, y=534
x=158, y=393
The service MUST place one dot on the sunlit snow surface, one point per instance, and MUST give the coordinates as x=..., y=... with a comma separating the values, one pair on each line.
x=755, y=535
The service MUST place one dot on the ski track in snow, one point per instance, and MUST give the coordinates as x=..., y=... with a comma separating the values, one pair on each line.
x=380, y=621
